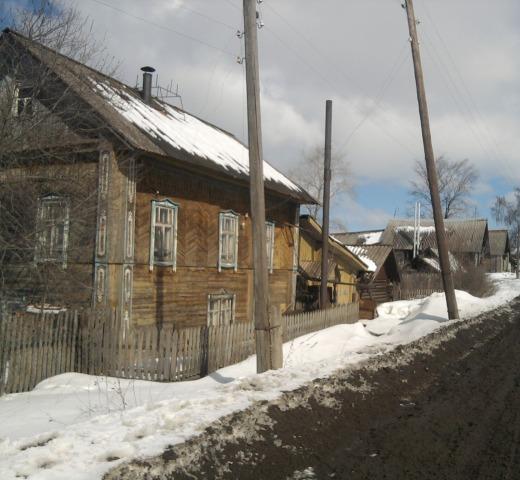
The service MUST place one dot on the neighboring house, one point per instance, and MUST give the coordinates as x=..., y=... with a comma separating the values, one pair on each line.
x=381, y=283
x=344, y=268
x=160, y=226
x=429, y=261
x=499, y=251
x=365, y=237
x=468, y=240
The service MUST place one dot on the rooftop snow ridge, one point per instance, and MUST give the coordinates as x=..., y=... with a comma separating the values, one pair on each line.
x=186, y=132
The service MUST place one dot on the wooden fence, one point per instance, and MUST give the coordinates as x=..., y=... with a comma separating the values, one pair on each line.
x=34, y=347
x=417, y=293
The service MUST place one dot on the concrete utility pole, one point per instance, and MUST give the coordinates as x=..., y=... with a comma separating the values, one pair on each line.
x=268, y=328
x=447, y=279
x=324, y=294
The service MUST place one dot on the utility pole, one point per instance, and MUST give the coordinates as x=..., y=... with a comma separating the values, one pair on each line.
x=447, y=279
x=324, y=293
x=268, y=331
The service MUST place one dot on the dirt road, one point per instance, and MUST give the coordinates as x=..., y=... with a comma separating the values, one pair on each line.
x=446, y=407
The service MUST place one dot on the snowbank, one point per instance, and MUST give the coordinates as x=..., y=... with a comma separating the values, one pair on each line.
x=79, y=426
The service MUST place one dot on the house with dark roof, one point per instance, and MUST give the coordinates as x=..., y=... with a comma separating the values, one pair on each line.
x=468, y=239
x=344, y=268
x=499, y=251
x=139, y=205
x=381, y=282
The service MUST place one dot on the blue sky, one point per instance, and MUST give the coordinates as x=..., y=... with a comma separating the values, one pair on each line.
x=357, y=54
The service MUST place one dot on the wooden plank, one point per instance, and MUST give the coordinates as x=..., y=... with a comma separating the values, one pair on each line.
x=174, y=355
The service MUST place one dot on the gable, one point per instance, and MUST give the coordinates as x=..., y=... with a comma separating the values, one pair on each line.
x=157, y=128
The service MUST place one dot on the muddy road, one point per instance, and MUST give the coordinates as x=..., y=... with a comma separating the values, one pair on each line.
x=445, y=407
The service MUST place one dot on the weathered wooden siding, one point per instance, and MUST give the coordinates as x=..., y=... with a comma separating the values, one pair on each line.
x=28, y=282
x=181, y=296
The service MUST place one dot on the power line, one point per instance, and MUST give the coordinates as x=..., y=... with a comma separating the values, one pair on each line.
x=473, y=104
x=335, y=88
x=334, y=64
x=163, y=27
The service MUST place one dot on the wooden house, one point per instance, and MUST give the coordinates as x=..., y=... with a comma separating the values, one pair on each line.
x=381, y=282
x=344, y=268
x=468, y=240
x=146, y=207
x=499, y=251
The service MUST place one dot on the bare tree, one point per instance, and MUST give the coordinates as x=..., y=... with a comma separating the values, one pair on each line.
x=48, y=153
x=309, y=174
x=456, y=179
x=507, y=212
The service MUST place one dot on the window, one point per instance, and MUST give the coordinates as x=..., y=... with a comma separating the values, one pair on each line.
x=228, y=244
x=269, y=227
x=221, y=309
x=52, y=229
x=23, y=104
x=163, y=239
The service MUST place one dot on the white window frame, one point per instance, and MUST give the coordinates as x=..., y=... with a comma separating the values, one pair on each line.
x=41, y=228
x=175, y=209
x=228, y=215
x=25, y=101
x=219, y=298
x=270, y=236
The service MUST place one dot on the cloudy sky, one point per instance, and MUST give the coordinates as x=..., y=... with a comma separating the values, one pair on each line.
x=357, y=53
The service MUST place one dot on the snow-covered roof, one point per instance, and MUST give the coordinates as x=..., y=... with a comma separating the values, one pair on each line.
x=366, y=237
x=157, y=128
x=463, y=235
x=185, y=132
x=362, y=254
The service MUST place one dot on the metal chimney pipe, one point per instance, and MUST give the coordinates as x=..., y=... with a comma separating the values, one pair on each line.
x=147, y=84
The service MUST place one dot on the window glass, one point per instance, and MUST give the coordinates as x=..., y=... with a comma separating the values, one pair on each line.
x=164, y=226
x=52, y=229
x=228, y=239
x=221, y=309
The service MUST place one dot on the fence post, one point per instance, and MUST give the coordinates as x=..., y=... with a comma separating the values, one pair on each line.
x=276, y=333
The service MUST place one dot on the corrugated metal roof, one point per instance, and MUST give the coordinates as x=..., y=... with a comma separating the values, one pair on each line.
x=312, y=270
x=498, y=242
x=376, y=253
x=463, y=236
x=309, y=226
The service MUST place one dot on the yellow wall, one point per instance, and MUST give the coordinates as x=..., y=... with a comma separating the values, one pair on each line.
x=311, y=252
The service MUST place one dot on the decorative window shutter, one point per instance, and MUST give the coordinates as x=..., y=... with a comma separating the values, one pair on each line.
x=236, y=242
x=220, y=221
x=152, y=236
x=175, y=222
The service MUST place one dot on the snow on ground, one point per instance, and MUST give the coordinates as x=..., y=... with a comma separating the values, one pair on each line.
x=79, y=426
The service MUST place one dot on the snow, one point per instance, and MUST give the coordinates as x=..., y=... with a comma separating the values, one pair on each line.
x=408, y=228
x=361, y=253
x=186, y=132
x=371, y=238
x=79, y=426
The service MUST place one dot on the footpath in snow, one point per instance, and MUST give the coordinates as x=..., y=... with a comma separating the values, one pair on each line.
x=79, y=426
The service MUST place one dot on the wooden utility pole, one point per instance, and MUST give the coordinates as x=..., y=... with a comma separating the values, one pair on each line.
x=324, y=294
x=447, y=279
x=267, y=328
